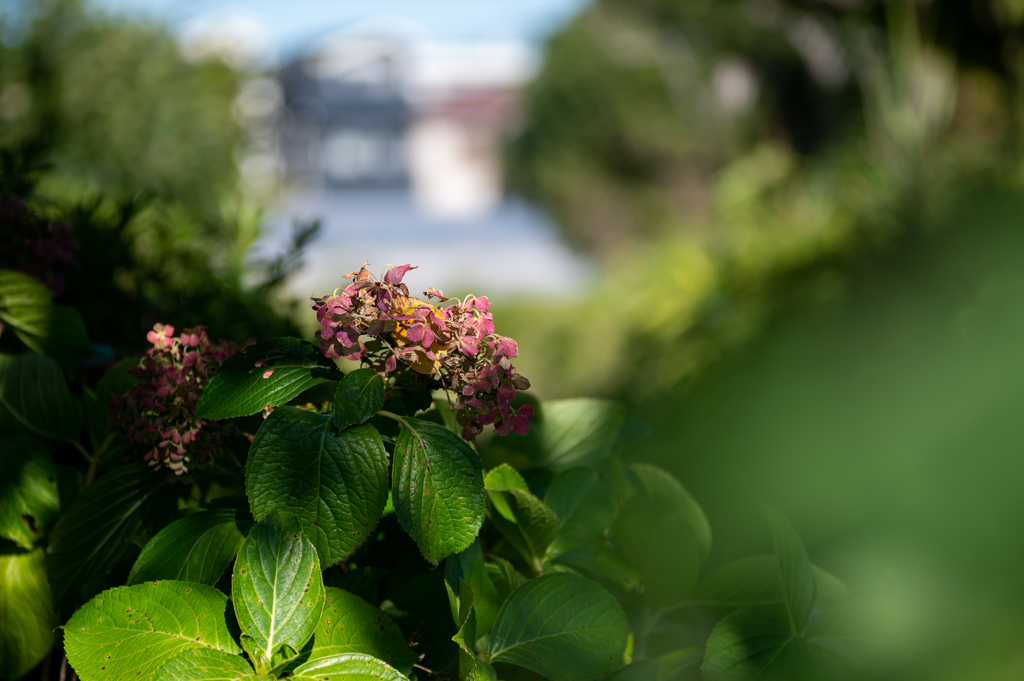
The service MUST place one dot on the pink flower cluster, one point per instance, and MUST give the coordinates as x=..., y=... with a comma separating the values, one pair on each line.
x=453, y=348
x=38, y=247
x=157, y=416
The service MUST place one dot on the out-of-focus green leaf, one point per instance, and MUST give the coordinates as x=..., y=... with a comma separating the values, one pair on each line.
x=337, y=485
x=795, y=570
x=26, y=612
x=349, y=624
x=643, y=670
x=583, y=504
x=47, y=329
x=206, y=664
x=671, y=665
x=754, y=581
x=360, y=395
x=561, y=626
x=664, y=536
x=196, y=548
x=132, y=631
x=749, y=644
x=573, y=432
x=276, y=588
x=96, y=532
x=596, y=557
x=29, y=501
x=438, y=488
x=267, y=373
x=467, y=565
x=33, y=392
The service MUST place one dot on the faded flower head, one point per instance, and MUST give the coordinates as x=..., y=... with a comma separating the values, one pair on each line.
x=449, y=345
x=157, y=416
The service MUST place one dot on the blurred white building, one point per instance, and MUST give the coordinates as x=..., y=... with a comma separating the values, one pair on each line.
x=395, y=142
x=369, y=108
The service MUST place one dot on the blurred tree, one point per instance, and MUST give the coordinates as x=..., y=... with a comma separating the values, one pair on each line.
x=121, y=110
x=107, y=127
x=719, y=157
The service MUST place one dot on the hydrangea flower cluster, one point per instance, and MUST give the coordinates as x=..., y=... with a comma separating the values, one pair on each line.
x=157, y=416
x=38, y=247
x=451, y=347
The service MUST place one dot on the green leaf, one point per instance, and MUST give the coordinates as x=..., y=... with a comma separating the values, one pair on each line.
x=438, y=488
x=29, y=502
x=196, y=548
x=347, y=667
x=533, y=525
x=671, y=665
x=504, y=478
x=276, y=587
x=132, y=631
x=561, y=626
x=643, y=670
x=26, y=613
x=240, y=389
x=596, y=557
x=754, y=581
x=206, y=664
x=351, y=625
x=467, y=565
x=583, y=504
x=795, y=570
x=664, y=536
x=574, y=432
x=749, y=644
x=337, y=485
x=360, y=396
x=96, y=532
x=58, y=332
x=33, y=392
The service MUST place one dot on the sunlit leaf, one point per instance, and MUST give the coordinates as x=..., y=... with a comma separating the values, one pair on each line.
x=26, y=613
x=206, y=664
x=438, y=490
x=347, y=667
x=132, y=631
x=276, y=588
x=57, y=332
x=267, y=373
x=349, y=624
x=196, y=548
x=360, y=395
x=29, y=502
x=335, y=484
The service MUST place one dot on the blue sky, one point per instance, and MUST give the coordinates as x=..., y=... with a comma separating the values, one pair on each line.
x=292, y=23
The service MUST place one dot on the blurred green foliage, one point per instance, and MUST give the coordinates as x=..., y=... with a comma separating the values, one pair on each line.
x=720, y=158
x=120, y=110
x=106, y=126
